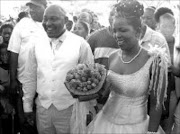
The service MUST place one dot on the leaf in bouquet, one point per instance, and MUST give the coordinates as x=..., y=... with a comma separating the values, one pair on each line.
x=80, y=72
x=85, y=84
x=96, y=81
x=73, y=83
x=79, y=88
x=93, y=85
x=69, y=77
x=84, y=79
x=77, y=76
x=87, y=71
x=89, y=87
x=81, y=66
x=85, y=89
x=89, y=82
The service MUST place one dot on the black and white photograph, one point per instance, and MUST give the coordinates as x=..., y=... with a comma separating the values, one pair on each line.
x=89, y=66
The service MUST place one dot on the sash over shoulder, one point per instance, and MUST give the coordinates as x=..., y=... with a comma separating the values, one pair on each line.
x=159, y=73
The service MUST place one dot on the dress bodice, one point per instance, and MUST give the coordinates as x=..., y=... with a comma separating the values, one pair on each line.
x=128, y=105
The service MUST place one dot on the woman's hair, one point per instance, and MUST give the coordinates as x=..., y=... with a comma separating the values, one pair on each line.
x=161, y=11
x=132, y=10
x=85, y=25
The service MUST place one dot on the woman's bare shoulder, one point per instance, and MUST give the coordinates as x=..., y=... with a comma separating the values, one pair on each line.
x=114, y=54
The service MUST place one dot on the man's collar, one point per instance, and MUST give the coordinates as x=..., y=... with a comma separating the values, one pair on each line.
x=60, y=38
x=147, y=34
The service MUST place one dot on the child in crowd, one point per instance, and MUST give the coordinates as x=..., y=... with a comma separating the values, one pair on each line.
x=6, y=108
x=5, y=31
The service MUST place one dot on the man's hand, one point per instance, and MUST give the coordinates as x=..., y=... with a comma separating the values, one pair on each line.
x=30, y=118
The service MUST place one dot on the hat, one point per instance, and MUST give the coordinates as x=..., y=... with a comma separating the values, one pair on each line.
x=37, y=2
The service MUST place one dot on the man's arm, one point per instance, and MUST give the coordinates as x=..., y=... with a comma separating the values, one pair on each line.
x=30, y=81
x=14, y=47
x=13, y=72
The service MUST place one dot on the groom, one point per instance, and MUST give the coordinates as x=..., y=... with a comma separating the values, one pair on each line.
x=49, y=62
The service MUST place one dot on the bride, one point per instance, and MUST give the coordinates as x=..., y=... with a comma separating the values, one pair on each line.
x=133, y=75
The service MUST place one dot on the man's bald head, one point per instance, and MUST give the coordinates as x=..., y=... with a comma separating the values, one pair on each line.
x=54, y=21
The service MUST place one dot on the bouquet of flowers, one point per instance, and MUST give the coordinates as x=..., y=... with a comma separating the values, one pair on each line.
x=85, y=79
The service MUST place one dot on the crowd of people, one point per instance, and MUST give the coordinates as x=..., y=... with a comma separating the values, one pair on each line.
x=139, y=49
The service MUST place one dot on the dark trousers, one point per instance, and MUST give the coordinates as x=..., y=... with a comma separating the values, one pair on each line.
x=20, y=123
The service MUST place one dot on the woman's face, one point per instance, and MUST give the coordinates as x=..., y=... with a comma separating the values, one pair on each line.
x=124, y=33
x=80, y=30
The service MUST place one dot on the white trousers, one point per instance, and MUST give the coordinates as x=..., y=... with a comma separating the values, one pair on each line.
x=52, y=121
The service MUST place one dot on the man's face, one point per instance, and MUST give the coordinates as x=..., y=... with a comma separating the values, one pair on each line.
x=6, y=34
x=166, y=27
x=36, y=12
x=148, y=18
x=54, y=21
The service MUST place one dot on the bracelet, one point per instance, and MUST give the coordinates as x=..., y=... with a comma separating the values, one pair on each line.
x=148, y=132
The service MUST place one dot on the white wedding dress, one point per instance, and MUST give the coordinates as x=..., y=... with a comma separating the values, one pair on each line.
x=126, y=111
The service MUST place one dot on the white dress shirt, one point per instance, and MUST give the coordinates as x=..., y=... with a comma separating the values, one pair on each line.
x=49, y=61
x=21, y=41
x=153, y=38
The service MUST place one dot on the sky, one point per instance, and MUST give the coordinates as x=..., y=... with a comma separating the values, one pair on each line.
x=8, y=7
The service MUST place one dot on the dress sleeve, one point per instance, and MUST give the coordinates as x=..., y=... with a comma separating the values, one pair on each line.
x=159, y=76
x=85, y=54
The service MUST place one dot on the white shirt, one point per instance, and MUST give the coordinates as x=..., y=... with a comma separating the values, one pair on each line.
x=22, y=39
x=47, y=69
x=154, y=38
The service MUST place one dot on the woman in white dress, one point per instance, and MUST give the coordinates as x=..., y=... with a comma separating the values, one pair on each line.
x=133, y=75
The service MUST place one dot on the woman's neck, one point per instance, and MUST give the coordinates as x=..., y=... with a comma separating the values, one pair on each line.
x=132, y=51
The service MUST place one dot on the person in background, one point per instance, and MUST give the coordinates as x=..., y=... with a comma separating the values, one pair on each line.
x=46, y=73
x=22, y=15
x=81, y=28
x=96, y=25
x=7, y=110
x=20, y=42
x=134, y=74
x=175, y=69
x=148, y=17
x=150, y=38
x=166, y=25
x=6, y=30
x=4, y=67
x=87, y=17
x=69, y=25
x=103, y=45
